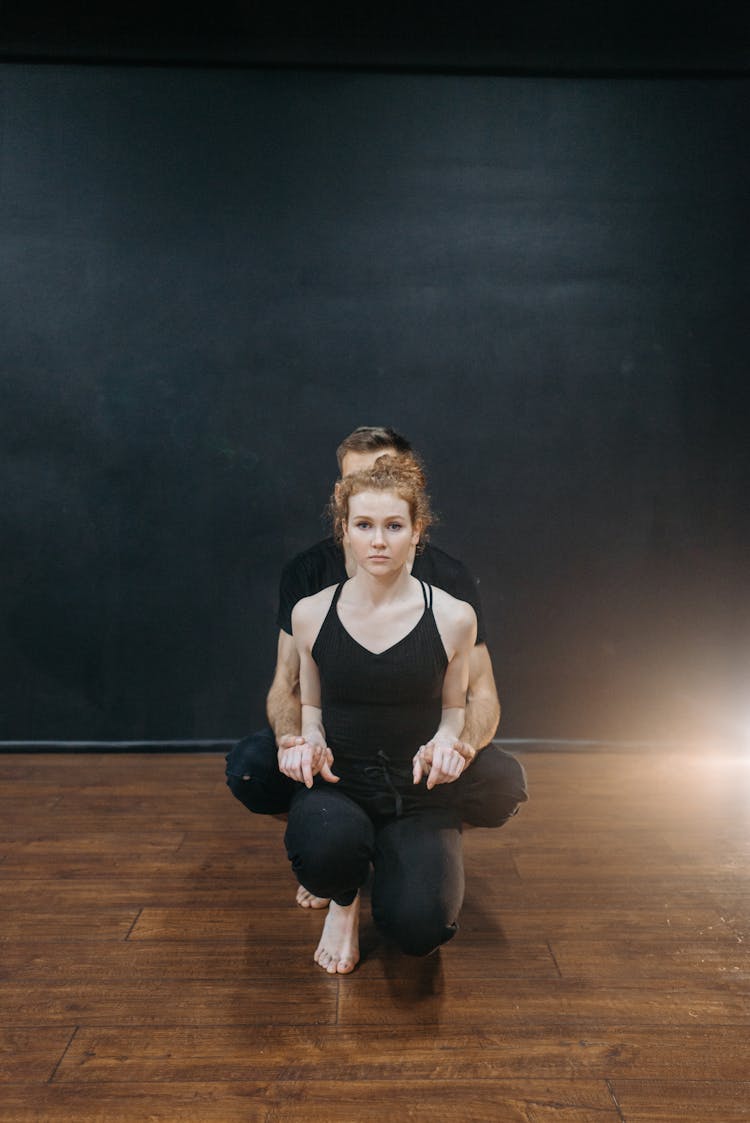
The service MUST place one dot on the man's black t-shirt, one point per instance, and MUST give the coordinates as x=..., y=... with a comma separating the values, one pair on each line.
x=323, y=565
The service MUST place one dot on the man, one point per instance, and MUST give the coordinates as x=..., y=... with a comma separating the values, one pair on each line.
x=264, y=769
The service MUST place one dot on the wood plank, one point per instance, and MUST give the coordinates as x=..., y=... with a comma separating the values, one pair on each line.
x=250, y=862
x=30, y=1055
x=603, y=862
x=648, y=957
x=600, y=923
x=677, y=1101
x=202, y=891
x=84, y=924
x=212, y=924
x=312, y=1001
x=488, y=923
x=420, y=999
x=184, y=1054
x=170, y=885
x=315, y=1102
x=401, y=1001
x=101, y=845
x=258, y=957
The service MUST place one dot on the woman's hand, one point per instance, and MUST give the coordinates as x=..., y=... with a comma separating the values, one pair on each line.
x=302, y=758
x=442, y=762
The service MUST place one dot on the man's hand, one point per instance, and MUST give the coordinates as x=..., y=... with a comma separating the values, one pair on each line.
x=301, y=759
x=467, y=751
x=442, y=762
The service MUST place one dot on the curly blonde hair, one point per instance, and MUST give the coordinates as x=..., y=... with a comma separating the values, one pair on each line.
x=402, y=475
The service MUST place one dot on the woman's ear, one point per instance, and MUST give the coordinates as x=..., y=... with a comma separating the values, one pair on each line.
x=416, y=533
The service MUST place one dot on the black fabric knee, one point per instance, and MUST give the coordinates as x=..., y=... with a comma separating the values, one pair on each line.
x=329, y=841
x=418, y=886
x=266, y=791
x=492, y=788
x=416, y=932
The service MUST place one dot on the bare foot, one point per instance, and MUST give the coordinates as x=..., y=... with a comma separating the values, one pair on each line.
x=338, y=950
x=306, y=900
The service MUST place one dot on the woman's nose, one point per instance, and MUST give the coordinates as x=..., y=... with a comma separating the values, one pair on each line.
x=377, y=536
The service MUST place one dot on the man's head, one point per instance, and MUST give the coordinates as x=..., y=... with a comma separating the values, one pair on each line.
x=361, y=449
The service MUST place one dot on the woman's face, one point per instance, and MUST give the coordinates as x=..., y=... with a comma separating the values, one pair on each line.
x=379, y=531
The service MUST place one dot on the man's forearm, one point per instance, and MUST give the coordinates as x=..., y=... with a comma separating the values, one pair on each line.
x=284, y=711
x=481, y=721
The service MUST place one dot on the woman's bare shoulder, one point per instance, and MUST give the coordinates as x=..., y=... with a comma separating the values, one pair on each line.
x=311, y=610
x=458, y=609
x=458, y=615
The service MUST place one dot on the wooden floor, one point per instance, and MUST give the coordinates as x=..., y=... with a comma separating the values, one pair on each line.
x=155, y=967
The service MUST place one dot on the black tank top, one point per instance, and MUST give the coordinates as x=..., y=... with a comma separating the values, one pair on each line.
x=379, y=707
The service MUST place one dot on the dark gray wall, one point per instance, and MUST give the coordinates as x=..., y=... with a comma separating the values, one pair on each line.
x=209, y=276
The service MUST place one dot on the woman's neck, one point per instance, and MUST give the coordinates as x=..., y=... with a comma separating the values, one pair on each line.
x=373, y=589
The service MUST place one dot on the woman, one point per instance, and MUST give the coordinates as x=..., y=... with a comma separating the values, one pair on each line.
x=383, y=676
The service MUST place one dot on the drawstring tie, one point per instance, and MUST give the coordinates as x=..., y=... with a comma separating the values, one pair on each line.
x=381, y=771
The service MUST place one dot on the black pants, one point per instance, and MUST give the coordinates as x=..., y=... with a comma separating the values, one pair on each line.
x=332, y=841
x=417, y=862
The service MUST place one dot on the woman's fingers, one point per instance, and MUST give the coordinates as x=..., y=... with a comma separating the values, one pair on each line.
x=303, y=761
x=422, y=761
x=447, y=766
x=306, y=763
x=327, y=774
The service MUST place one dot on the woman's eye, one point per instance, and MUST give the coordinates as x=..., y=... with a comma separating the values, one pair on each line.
x=395, y=526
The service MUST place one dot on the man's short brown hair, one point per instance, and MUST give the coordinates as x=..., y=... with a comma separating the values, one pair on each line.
x=369, y=438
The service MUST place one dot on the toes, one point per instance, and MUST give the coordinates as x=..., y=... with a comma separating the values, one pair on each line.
x=307, y=900
x=328, y=961
x=323, y=958
x=333, y=964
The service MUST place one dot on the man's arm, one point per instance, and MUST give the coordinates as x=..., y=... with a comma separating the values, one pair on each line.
x=300, y=757
x=283, y=702
x=443, y=760
x=482, y=703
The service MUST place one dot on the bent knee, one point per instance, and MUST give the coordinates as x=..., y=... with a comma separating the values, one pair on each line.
x=254, y=756
x=417, y=935
x=253, y=776
x=262, y=799
x=495, y=789
x=503, y=773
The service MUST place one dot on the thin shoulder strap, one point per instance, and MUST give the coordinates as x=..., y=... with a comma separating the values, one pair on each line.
x=331, y=617
x=336, y=595
x=426, y=589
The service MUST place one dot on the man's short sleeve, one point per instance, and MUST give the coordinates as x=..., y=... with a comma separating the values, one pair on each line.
x=293, y=586
x=447, y=573
x=306, y=574
x=465, y=588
